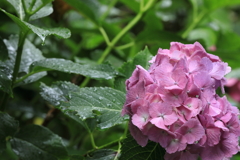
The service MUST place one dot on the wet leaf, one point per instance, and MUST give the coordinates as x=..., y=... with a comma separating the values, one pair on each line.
x=61, y=91
x=102, y=71
x=42, y=33
x=34, y=9
x=29, y=55
x=6, y=67
x=38, y=143
x=102, y=154
x=105, y=104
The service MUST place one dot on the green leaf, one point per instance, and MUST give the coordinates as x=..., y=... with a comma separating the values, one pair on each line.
x=215, y=4
x=18, y=6
x=102, y=71
x=88, y=9
x=43, y=12
x=233, y=60
x=32, y=8
x=102, y=154
x=8, y=127
x=61, y=91
x=3, y=51
x=91, y=41
x=38, y=143
x=160, y=39
x=130, y=150
x=152, y=21
x=58, y=92
x=42, y=33
x=30, y=54
x=105, y=104
x=229, y=41
x=208, y=35
x=6, y=67
x=133, y=5
x=142, y=58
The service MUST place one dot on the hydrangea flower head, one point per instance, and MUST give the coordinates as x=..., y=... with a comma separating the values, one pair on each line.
x=174, y=103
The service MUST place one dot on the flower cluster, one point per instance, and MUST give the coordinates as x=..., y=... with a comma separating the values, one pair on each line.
x=175, y=104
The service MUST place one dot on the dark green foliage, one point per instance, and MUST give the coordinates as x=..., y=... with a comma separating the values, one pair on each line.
x=132, y=151
x=95, y=44
x=8, y=128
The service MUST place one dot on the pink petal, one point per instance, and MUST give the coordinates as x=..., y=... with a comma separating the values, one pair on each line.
x=213, y=136
x=141, y=139
x=191, y=131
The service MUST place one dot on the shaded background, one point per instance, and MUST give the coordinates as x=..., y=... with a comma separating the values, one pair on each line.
x=214, y=23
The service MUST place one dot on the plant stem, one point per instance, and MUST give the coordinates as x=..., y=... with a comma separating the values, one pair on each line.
x=125, y=46
x=119, y=36
x=105, y=145
x=91, y=136
x=21, y=41
x=105, y=36
x=194, y=23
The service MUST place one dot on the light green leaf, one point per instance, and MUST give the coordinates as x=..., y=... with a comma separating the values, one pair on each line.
x=42, y=33
x=142, y=58
x=133, y=5
x=102, y=154
x=8, y=127
x=215, y=4
x=229, y=41
x=130, y=150
x=38, y=143
x=102, y=71
x=208, y=35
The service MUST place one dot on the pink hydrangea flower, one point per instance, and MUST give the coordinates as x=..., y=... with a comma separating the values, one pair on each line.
x=174, y=103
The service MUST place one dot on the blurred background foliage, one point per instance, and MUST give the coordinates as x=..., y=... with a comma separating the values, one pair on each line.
x=93, y=25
